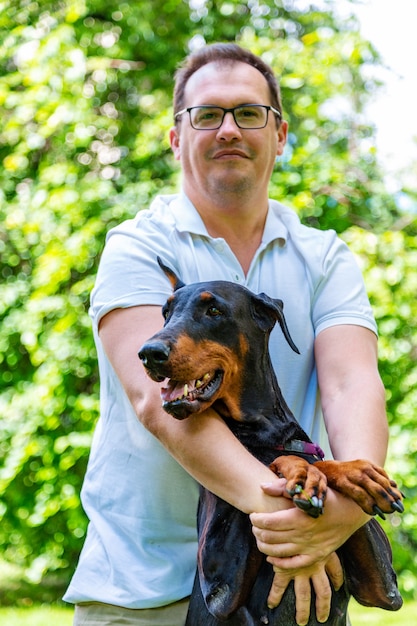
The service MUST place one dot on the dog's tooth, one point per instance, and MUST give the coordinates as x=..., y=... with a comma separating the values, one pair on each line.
x=198, y=383
x=206, y=376
x=185, y=390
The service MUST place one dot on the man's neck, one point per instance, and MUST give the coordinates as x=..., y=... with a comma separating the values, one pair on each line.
x=240, y=223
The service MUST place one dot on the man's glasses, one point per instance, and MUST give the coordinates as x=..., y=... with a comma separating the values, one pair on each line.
x=246, y=116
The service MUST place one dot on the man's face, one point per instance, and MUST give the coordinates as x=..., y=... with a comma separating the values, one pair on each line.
x=229, y=160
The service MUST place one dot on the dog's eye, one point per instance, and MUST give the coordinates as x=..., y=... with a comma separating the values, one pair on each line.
x=165, y=312
x=213, y=311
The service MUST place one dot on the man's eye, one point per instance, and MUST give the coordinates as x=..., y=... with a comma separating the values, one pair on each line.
x=207, y=115
x=248, y=113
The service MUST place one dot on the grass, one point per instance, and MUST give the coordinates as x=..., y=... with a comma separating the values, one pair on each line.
x=53, y=615
x=361, y=616
x=36, y=616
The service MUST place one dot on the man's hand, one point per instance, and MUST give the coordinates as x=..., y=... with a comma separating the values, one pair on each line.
x=319, y=576
x=302, y=549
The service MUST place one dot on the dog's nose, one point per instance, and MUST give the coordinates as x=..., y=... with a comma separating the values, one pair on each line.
x=154, y=354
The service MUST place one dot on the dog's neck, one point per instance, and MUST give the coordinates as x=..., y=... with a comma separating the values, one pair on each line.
x=262, y=405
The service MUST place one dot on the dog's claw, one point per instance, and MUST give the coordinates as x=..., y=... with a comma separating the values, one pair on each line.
x=398, y=506
x=313, y=505
x=304, y=505
x=308, y=507
x=377, y=511
x=315, y=502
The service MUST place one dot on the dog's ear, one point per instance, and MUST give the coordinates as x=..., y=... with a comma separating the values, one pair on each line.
x=267, y=311
x=173, y=278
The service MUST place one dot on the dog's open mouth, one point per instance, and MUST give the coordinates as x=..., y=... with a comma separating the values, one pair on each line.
x=182, y=398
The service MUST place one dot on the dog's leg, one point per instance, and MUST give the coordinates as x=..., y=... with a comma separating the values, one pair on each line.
x=367, y=561
x=366, y=555
x=365, y=483
x=228, y=559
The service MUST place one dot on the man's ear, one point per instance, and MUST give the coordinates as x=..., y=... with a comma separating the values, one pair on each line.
x=282, y=133
x=174, y=140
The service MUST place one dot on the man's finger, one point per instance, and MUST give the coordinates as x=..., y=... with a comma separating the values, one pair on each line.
x=335, y=571
x=276, y=488
x=293, y=564
x=302, y=590
x=279, y=585
x=323, y=592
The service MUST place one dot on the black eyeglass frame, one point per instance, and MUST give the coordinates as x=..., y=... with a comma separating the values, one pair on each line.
x=232, y=111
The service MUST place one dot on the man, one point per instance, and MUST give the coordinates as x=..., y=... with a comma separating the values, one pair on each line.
x=138, y=561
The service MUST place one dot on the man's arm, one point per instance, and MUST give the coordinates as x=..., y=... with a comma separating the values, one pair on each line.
x=202, y=444
x=353, y=402
x=352, y=393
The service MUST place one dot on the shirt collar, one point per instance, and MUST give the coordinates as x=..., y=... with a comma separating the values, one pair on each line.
x=187, y=218
x=275, y=226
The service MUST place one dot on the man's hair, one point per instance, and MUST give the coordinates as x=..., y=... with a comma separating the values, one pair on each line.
x=223, y=54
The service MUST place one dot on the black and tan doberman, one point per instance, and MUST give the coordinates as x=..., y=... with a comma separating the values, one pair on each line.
x=214, y=351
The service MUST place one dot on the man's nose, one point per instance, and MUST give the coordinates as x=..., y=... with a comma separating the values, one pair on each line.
x=229, y=128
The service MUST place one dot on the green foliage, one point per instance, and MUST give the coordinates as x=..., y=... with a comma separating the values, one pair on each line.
x=389, y=264
x=85, y=96
x=331, y=175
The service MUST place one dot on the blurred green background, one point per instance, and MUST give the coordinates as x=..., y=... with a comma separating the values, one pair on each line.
x=85, y=107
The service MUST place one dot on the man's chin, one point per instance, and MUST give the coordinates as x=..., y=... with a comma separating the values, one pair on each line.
x=234, y=182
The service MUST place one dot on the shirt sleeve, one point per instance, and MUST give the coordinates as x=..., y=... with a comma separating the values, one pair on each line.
x=339, y=295
x=129, y=274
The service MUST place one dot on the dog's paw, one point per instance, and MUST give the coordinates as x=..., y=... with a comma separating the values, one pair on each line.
x=312, y=505
x=306, y=484
x=366, y=483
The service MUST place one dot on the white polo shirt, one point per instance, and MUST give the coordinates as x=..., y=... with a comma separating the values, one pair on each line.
x=140, y=550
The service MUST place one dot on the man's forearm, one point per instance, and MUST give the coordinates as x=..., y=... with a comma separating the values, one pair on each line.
x=209, y=451
x=352, y=393
x=202, y=444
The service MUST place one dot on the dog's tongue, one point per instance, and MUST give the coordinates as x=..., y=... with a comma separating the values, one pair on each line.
x=176, y=390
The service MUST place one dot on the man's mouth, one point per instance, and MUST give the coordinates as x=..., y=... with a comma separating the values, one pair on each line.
x=230, y=154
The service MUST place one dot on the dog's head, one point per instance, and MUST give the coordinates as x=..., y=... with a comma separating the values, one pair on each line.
x=213, y=332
